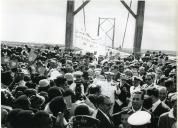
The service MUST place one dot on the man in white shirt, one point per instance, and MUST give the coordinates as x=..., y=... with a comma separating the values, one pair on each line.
x=108, y=88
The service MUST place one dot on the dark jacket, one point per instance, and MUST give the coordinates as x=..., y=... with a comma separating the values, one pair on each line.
x=165, y=121
x=161, y=108
x=105, y=123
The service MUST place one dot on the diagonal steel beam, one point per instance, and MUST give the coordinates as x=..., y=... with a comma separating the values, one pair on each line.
x=81, y=6
x=128, y=8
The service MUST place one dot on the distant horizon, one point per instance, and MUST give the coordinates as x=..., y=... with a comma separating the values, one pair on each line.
x=62, y=45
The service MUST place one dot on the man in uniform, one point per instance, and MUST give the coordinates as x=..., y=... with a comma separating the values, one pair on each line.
x=136, y=105
x=140, y=119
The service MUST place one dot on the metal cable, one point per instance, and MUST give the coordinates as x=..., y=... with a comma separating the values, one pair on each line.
x=126, y=25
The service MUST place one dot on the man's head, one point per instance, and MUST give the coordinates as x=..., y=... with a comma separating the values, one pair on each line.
x=12, y=118
x=169, y=85
x=78, y=75
x=57, y=104
x=142, y=71
x=97, y=71
x=121, y=68
x=69, y=78
x=137, y=100
x=149, y=79
x=124, y=118
x=162, y=93
x=104, y=103
x=128, y=73
x=42, y=120
x=153, y=93
x=136, y=81
x=25, y=119
x=109, y=75
x=159, y=73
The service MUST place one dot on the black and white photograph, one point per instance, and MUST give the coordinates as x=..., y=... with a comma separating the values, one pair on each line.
x=88, y=63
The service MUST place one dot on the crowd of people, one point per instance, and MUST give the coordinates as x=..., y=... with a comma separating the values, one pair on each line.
x=55, y=88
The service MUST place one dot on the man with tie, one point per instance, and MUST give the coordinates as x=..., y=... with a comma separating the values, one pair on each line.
x=158, y=107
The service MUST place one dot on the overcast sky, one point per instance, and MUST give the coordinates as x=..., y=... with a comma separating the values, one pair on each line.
x=44, y=21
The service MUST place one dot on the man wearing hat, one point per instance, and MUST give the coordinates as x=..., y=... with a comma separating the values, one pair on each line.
x=36, y=102
x=140, y=119
x=44, y=85
x=169, y=119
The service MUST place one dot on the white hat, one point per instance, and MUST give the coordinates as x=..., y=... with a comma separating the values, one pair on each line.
x=78, y=73
x=139, y=118
x=97, y=69
x=137, y=78
x=109, y=73
x=54, y=74
x=43, y=83
x=92, y=64
x=102, y=77
x=69, y=76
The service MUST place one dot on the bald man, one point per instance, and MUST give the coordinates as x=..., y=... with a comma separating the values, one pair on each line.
x=163, y=93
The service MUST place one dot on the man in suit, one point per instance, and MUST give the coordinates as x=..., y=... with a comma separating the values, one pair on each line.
x=158, y=107
x=169, y=119
x=136, y=105
x=102, y=113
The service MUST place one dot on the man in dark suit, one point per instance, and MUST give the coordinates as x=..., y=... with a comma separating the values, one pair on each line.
x=158, y=107
x=137, y=105
x=102, y=113
x=169, y=119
